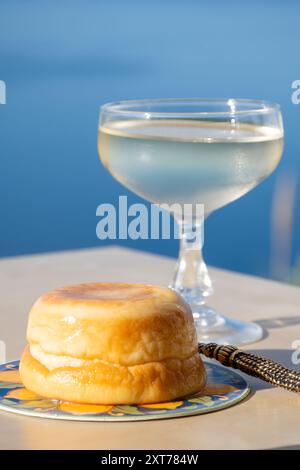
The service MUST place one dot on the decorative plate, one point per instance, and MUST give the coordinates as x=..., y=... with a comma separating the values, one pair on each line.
x=224, y=388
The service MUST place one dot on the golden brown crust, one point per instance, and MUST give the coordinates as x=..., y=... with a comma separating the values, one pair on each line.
x=104, y=383
x=112, y=343
x=125, y=324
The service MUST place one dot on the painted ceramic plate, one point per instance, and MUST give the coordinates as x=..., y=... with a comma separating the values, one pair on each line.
x=224, y=388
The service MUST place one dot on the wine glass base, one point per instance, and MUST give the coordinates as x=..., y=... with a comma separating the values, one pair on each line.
x=215, y=328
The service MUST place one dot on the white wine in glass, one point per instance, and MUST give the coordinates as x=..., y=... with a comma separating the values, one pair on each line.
x=208, y=152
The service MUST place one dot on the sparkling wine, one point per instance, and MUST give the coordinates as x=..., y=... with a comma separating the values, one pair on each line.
x=189, y=161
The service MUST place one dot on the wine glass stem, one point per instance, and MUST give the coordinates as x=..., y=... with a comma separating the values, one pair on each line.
x=191, y=278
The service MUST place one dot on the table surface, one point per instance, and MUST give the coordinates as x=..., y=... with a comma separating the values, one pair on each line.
x=268, y=418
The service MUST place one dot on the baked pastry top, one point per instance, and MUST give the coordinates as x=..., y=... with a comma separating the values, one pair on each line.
x=112, y=343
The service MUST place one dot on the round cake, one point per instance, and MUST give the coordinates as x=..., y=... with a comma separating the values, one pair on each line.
x=112, y=343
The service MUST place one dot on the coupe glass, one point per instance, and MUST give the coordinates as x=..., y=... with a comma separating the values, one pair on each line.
x=190, y=152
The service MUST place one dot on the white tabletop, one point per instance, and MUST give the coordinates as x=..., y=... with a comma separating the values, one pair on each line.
x=268, y=418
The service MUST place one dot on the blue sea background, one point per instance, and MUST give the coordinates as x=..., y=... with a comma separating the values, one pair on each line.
x=61, y=60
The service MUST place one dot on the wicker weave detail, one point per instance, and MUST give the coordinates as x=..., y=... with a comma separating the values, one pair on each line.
x=257, y=366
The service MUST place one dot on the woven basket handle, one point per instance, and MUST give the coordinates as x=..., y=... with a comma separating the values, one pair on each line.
x=257, y=366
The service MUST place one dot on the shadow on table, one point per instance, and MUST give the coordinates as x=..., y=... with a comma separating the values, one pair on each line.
x=275, y=323
x=278, y=322
x=284, y=356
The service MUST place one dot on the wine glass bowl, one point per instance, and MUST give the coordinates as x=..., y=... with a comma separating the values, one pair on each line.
x=193, y=151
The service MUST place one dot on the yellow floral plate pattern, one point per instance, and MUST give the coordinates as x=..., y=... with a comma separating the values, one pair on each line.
x=224, y=388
